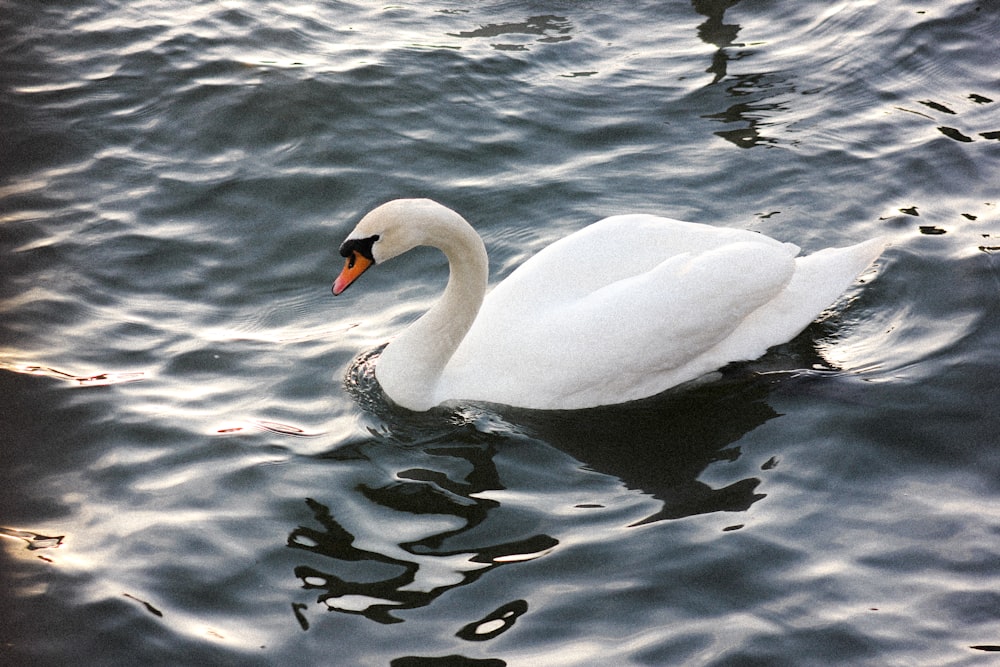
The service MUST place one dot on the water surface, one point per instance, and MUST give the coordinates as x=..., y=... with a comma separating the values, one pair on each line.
x=188, y=477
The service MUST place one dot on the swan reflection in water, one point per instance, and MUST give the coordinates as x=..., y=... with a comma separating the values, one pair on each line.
x=446, y=468
x=411, y=573
x=661, y=446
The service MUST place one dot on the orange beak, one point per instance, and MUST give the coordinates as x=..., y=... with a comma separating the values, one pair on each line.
x=354, y=266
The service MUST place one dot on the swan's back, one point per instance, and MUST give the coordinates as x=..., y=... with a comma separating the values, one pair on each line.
x=605, y=252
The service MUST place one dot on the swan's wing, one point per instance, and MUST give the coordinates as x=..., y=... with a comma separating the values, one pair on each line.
x=624, y=340
x=603, y=253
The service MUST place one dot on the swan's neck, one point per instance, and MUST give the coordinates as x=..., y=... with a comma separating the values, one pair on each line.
x=411, y=365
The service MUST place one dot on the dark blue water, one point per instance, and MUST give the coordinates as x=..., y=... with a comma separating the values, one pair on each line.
x=186, y=478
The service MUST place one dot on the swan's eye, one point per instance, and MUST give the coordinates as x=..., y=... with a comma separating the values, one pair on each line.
x=353, y=247
x=353, y=258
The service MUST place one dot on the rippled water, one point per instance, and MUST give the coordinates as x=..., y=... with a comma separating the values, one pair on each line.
x=188, y=479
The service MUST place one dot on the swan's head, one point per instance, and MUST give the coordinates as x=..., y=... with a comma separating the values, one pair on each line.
x=390, y=230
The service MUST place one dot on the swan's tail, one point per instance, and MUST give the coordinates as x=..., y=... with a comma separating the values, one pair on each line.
x=818, y=283
x=822, y=277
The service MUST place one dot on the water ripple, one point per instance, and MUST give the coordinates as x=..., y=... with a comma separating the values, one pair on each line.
x=175, y=182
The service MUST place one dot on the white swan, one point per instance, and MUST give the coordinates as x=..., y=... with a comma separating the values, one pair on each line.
x=620, y=310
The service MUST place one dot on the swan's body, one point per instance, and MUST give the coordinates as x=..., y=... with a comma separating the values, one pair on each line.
x=620, y=310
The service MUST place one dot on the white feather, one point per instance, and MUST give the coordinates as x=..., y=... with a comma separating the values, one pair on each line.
x=620, y=310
